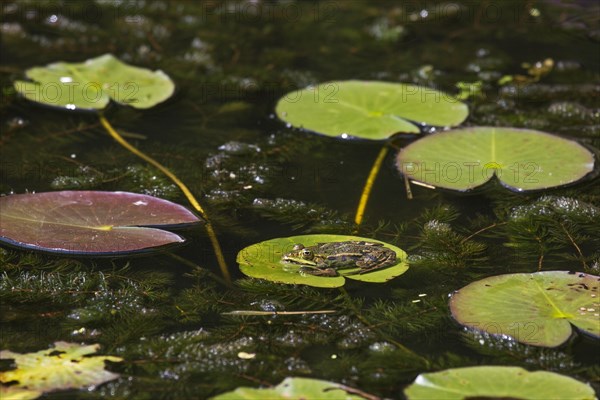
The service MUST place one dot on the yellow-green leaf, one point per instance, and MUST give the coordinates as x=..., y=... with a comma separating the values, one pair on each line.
x=17, y=393
x=292, y=389
x=536, y=309
x=263, y=260
x=65, y=366
x=369, y=109
x=496, y=382
x=90, y=85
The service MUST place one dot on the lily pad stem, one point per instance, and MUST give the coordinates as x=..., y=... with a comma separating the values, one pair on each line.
x=188, y=194
x=364, y=197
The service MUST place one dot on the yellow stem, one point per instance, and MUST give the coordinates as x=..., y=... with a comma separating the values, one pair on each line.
x=188, y=194
x=364, y=198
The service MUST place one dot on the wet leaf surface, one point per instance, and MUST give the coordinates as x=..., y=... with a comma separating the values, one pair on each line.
x=263, y=260
x=536, y=309
x=91, y=84
x=497, y=382
x=65, y=366
x=90, y=222
x=293, y=389
x=522, y=159
x=369, y=109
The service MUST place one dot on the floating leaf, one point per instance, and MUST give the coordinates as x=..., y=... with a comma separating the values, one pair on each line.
x=292, y=389
x=369, y=109
x=522, y=159
x=90, y=222
x=62, y=367
x=263, y=260
x=16, y=393
x=536, y=309
x=487, y=382
x=91, y=84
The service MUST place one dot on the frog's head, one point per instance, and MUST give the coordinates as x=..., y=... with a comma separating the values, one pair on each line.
x=300, y=255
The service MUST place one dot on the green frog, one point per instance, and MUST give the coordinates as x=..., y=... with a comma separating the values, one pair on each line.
x=325, y=259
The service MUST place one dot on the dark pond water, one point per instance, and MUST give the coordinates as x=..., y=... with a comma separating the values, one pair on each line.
x=259, y=179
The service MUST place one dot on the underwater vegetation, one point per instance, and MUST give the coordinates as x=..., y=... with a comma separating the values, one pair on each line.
x=364, y=262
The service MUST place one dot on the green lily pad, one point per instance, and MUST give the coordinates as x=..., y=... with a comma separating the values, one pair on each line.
x=66, y=366
x=536, y=309
x=497, y=382
x=522, y=159
x=369, y=109
x=91, y=84
x=263, y=260
x=292, y=389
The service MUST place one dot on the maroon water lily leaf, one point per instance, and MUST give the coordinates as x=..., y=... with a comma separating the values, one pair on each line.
x=90, y=222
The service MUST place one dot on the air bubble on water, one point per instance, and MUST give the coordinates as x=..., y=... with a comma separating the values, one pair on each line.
x=73, y=155
x=344, y=135
x=288, y=125
x=70, y=107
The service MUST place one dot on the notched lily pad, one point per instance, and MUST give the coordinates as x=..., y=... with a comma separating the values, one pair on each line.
x=264, y=260
x=90, y=85
x=369, y=109
x=536, y=309
x=521, y=159
x=496, y=382
x=90, y=222
x=65, y=366
x=293, y=389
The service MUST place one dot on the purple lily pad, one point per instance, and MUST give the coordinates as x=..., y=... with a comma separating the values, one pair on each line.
x=90, y=222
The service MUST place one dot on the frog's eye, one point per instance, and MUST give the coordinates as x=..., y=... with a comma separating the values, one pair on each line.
x=298, y=247
x=307, y=254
